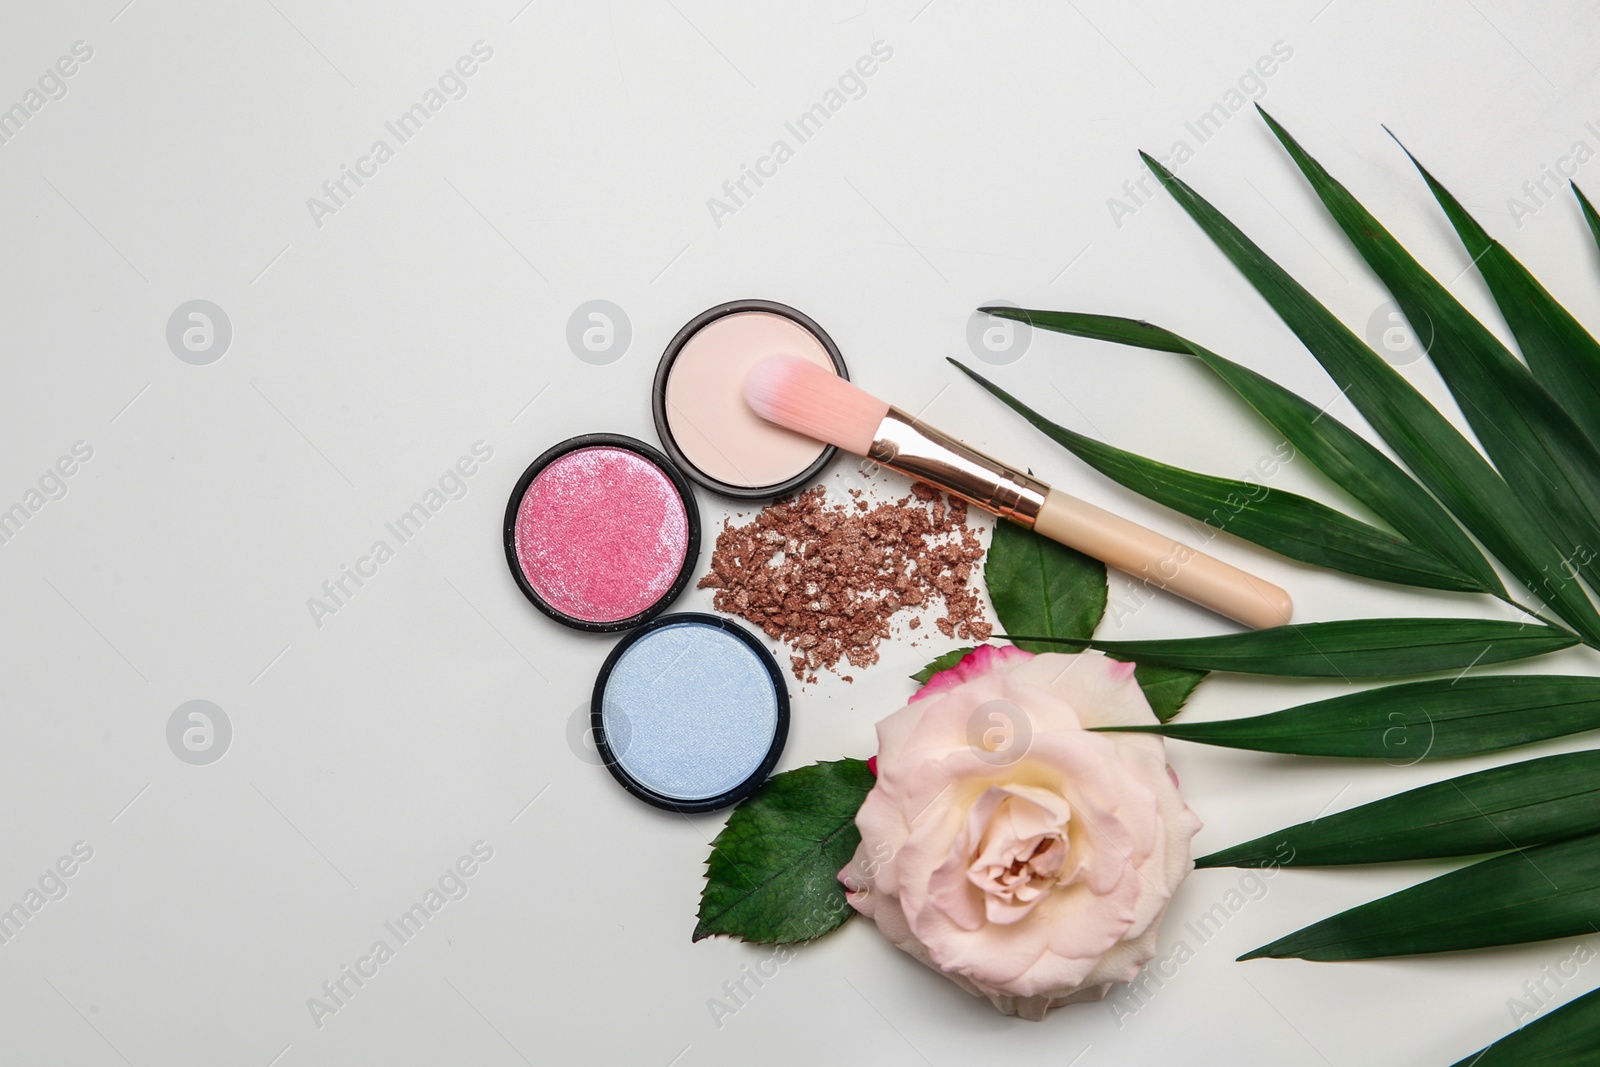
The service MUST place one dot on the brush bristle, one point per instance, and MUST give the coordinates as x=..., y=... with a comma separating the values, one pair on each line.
x=814, y=402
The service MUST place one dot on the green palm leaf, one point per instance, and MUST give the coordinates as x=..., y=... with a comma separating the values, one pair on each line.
x=1353, y=463
x=1433, y=449
x=1515, y=806
x=1560, y=352
x=1540, y=424
x=1532, y=894
x=1536, y=445
x=1292, y=525
x=1435, y=719
x=1567, y=1037
x=1589, y=214
x=1350, y=648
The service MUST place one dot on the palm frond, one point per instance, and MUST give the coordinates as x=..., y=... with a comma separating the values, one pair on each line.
x=1538, y=448
x=1514, y=806
x=1346, y=457
x=1413, y=721
x=1589, y=214
x=1531, y=498
x=1560, y=352
x=1288, y=524
x=1435, y=451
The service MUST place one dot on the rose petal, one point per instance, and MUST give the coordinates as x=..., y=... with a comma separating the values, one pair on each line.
x=979, y=661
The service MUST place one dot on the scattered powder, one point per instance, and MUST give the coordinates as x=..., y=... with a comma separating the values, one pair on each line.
x=826, y=579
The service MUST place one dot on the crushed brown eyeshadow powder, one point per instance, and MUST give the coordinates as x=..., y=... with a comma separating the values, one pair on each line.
x=826, y=579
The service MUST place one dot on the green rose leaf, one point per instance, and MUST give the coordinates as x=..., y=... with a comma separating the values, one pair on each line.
x=1041, y=587
x=1166, y=688
x=773, y=874
x=943, y=663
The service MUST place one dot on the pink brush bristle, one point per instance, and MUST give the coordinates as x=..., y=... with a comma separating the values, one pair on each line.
x=814, y=402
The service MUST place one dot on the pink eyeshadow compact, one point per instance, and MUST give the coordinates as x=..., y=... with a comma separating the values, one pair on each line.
x=602, y=532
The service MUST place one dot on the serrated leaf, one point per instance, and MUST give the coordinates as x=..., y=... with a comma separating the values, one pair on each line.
x=1566, y=1037
x=1049, y=589
x=773, y=874
x=1515, y=806
x=1560, y=352
x=1166, y=688
x=942, y=663
x=1041, y=587
x=1299, y=528
x=1346, y=457
x=1589, y=214
x=1349, y=648
x=1433, y=449
x=1532, y=894
x=1537, y=447
x=1437, y=719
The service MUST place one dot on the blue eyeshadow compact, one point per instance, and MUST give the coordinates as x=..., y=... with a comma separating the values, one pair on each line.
x=690, y=712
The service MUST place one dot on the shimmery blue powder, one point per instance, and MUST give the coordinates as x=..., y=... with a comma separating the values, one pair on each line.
x=690, y=711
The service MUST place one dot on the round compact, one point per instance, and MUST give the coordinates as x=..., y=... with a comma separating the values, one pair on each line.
x=690, y=712
x=602, y=532
x=700, y=413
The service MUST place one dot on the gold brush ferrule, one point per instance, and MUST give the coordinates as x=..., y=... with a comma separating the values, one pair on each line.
x=917, y=450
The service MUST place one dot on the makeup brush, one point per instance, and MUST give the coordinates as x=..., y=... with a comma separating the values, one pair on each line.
x=819, y=404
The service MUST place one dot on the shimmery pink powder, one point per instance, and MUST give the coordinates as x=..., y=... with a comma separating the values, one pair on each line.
x=601, y=534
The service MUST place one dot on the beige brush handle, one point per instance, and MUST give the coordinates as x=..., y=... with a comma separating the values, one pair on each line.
x=1162, y=562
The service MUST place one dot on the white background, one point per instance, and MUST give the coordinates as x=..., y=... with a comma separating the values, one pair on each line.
x=430, y=311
